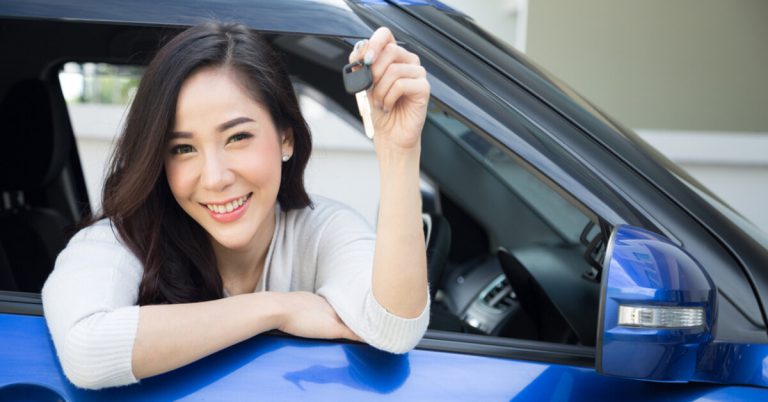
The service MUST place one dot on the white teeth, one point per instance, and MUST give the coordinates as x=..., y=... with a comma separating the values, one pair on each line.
x=228, y=207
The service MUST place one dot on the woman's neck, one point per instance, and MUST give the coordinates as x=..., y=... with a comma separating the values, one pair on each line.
x=241, y=269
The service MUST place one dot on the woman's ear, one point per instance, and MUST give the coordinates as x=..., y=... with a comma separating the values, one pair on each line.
x=286, y=146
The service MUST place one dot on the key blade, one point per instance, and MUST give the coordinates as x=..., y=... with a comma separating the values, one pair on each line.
x=364, y=107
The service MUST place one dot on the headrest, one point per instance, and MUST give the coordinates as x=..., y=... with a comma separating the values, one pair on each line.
x=32, y=151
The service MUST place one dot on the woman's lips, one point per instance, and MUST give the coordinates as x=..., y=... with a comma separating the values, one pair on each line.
x=230, y=211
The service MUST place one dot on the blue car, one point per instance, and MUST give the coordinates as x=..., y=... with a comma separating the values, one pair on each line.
x=568, y=261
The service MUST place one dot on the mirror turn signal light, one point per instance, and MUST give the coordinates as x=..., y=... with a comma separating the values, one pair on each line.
x=661, y=317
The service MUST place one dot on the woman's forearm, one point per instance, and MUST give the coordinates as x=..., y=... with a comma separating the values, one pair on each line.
x=171, y=336
x=400, y=262
x=174, y=335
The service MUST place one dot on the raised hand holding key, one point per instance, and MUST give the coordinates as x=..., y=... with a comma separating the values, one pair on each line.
x=392, y=94
x=399, y=91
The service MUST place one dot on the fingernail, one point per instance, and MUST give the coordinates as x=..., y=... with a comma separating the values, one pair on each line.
x=368, y=58
x=357, y=47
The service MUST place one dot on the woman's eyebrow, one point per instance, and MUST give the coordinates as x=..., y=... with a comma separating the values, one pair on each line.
x=222, y=127
x=180, y=134
x=237, y=120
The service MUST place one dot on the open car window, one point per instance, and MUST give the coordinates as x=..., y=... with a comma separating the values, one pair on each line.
x=525, y=258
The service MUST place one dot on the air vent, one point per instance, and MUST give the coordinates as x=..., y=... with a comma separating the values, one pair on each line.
x=500, y=296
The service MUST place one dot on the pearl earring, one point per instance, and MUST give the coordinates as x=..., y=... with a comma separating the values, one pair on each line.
x=286, y=157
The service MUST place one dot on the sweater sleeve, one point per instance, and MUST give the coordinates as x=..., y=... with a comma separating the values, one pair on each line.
x=344, y=278
x=89, y=301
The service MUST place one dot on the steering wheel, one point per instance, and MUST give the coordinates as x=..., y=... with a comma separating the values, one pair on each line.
x=437, y=232
x=534, y=301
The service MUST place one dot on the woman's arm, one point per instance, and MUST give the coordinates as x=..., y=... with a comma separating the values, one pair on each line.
x=103, y=339
x=172, y=336
x=399, y=100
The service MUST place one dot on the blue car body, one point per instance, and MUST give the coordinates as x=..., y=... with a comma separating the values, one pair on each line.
x=671, y=244
x=279, y=368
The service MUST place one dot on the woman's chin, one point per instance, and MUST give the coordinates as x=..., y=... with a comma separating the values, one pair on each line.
x=234, y=243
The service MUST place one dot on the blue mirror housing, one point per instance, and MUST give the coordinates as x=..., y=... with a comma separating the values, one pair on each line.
x=657, y=308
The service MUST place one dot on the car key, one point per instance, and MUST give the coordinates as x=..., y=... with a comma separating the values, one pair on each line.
x=357, y=80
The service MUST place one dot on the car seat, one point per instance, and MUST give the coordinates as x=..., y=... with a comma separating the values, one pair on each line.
x=32, y=155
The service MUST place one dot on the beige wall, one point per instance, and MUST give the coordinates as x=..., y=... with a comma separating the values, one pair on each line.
x=660, y=64
x=506, y=17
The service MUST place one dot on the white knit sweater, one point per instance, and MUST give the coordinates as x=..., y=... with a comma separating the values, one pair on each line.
x=90, y=298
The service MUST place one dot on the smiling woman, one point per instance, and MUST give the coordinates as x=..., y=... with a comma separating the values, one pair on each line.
x=224, y=169
x=207, y=236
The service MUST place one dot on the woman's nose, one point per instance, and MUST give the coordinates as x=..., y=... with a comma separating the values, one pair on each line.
x=217, y=174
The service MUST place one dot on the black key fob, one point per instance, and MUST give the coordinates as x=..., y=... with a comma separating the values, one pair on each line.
x=357, y=77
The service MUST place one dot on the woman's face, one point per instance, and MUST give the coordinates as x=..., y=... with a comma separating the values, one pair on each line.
x=224, y=159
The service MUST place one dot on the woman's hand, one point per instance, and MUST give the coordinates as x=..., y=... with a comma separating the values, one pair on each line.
x=310, y=316
x=400, y=92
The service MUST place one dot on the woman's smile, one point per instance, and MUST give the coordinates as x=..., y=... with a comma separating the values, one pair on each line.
x=229, y=210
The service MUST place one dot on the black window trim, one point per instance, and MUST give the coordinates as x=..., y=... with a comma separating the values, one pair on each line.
x=511, y=348
x=23, y=303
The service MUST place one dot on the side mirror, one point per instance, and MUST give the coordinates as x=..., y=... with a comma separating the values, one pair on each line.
x=657, y=308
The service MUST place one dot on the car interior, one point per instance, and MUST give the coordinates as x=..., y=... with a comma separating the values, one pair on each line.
x=510, y=254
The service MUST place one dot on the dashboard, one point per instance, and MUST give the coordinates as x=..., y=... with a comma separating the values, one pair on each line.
x=545, y=293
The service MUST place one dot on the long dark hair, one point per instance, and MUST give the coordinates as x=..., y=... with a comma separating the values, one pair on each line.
x=179, y=263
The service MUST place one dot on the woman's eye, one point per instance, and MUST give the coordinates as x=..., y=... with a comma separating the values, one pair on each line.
x=182, y=149
x=239, y=137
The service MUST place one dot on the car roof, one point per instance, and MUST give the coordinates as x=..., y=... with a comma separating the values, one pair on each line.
x=295, y=16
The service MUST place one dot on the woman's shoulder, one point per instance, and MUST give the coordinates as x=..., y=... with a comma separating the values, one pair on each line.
x=95, y=257
x=100, y=231
x=101, y=234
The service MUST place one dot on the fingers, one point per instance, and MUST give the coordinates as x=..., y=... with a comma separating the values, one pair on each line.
x=404, y=87
x=373, y=46
x=395, y=71
x=390, y=84
x=392, y=53
x=358, y=51
x=390, y=63
x=379, y=51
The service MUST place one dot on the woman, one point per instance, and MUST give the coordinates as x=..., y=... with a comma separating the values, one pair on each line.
x=208, y=236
